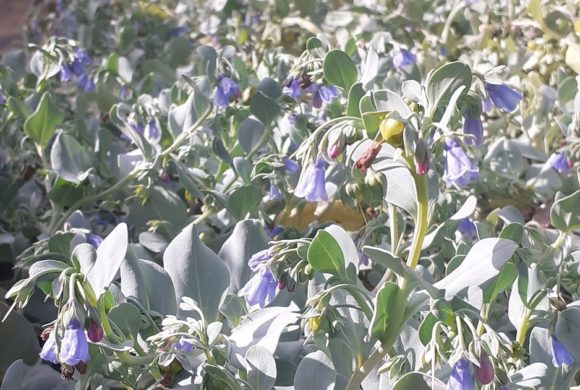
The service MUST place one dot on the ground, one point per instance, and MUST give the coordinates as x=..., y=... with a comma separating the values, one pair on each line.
x=12, y=20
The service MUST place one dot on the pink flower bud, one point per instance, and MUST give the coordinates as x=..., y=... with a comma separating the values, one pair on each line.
x=334, y=151
x=95, y=332
x=485, y=372
x=421, y=158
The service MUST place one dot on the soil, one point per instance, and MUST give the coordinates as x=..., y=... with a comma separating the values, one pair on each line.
x=12, y=21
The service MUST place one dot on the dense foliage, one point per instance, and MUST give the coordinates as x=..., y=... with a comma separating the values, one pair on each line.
x=247, y=194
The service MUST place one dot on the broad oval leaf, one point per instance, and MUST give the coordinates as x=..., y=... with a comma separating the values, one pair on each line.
x=325, y=254
x=315, y=372
x=339, y=69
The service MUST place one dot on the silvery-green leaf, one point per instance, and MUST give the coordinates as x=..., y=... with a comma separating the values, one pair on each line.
x=127, y=318
x=110, y=255
x=530, y=376
x=261, y=368
x=69, y=159
x=483, y=262
x=418, y=381
x=196, y=271
x=247, y=239
x=315, y=372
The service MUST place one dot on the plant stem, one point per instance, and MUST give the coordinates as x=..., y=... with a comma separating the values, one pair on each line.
x=394, y=228
x=523, y=328
x=421, y=222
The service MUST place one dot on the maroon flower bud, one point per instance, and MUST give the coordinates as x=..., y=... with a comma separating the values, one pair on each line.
x=421, y=158
x=485, y=372
x=65, y=373
x=46, y=333
x=334, y=151
x=95, y=332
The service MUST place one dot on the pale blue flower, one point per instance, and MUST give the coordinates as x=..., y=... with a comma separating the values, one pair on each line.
x=459, y=170
x=321, y=94
x=559, y=163
x=460, y=378
x=94, y=239
x=48, y=351
x=474, y=129
x=312, y=184
x=467, y=228
x=403, y=58
x=74, y=347
x=274, y=193
x=292, y=88
x=504, y=97
x=226, y=90
x=290, y=165
x=262, y=287
x=65, y=72
x=560, y=355
x=86, y=83
x=183, y=345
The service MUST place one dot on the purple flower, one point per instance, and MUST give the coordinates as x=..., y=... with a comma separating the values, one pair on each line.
x=292, y=88
x=86, y=83
x=124, y=92
x=183, y=345
x=74, y=347
x=138, y=127
x=560, y=355
x=177, y=31
x=290, y=165
x=274, y=193
x=322, y=94
x=503, y=96
x=82, y=56
x=226, y=90
x=459, y=170
x=473, y=128
x=460, y=378
x=467, y=228
x=560, y=163
x=276, y=230
x=312, y=185
x=2, y=98
x=65, y=72
x=261, y=289
x=403, y=58
x=48, y=352
x=94, y=239
x=152, y=133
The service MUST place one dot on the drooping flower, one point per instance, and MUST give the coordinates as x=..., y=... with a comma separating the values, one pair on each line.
x=152, y=133
x=226, y=90
x=290, y=165
x=262, y=287
x=95, y=332
x=85, y=82
x=560, y=163
x=183, y=345
x=460, y=378
x=74, y=347
x=312, y=184
x=65, y=72
x=274, y=193
x=48, y=351
x=82, y=56
x=421, y=157
x=459, y=170
x=403, y=58
x=473, y=128
x=292, y=88
x=94, y=239
x=485, y=372
x=504, y=97
x=560, y=355
x=322, y=93
x=467, y=228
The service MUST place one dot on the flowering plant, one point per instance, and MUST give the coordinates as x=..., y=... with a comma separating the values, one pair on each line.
x=308, y=195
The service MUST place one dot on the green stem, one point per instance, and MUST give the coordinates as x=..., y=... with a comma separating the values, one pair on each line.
x=105, y=322
x=458, y=6
x=421, y=225
x=523, y=328
x=181, y=138
x=394, y=228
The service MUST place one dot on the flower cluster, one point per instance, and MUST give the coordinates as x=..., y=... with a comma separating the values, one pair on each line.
x=296, y=87
x=78, y=67
x=73, y=347
x=262, y=287
x=226, y=91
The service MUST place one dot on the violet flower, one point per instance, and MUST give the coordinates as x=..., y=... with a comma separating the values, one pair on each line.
x=485, y=372
x=460, y=378
x=560, y=355
x=459, y=170
x=86, y=83
x=403, y=58
x=473, y=128
x=559, y=163
x=262, y=287
x=48, y=351
x=504, y=97
x=290, y=165
x=183, y=345
x=322, y=93
x=226, y=90
x=94, y=239
x=312, y=184
x=274, y=193
x=467, y=228
x=151, y=132
x=65, y=72
x=292, y=88
x=74, y=347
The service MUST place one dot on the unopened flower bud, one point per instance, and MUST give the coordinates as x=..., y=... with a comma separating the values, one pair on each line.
x=485, y=372
x=392, y=130
x=367, y=159
x=421, y=157
x=314, y=323
x=334, y=151
x=374, y=178
x=95, y=332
